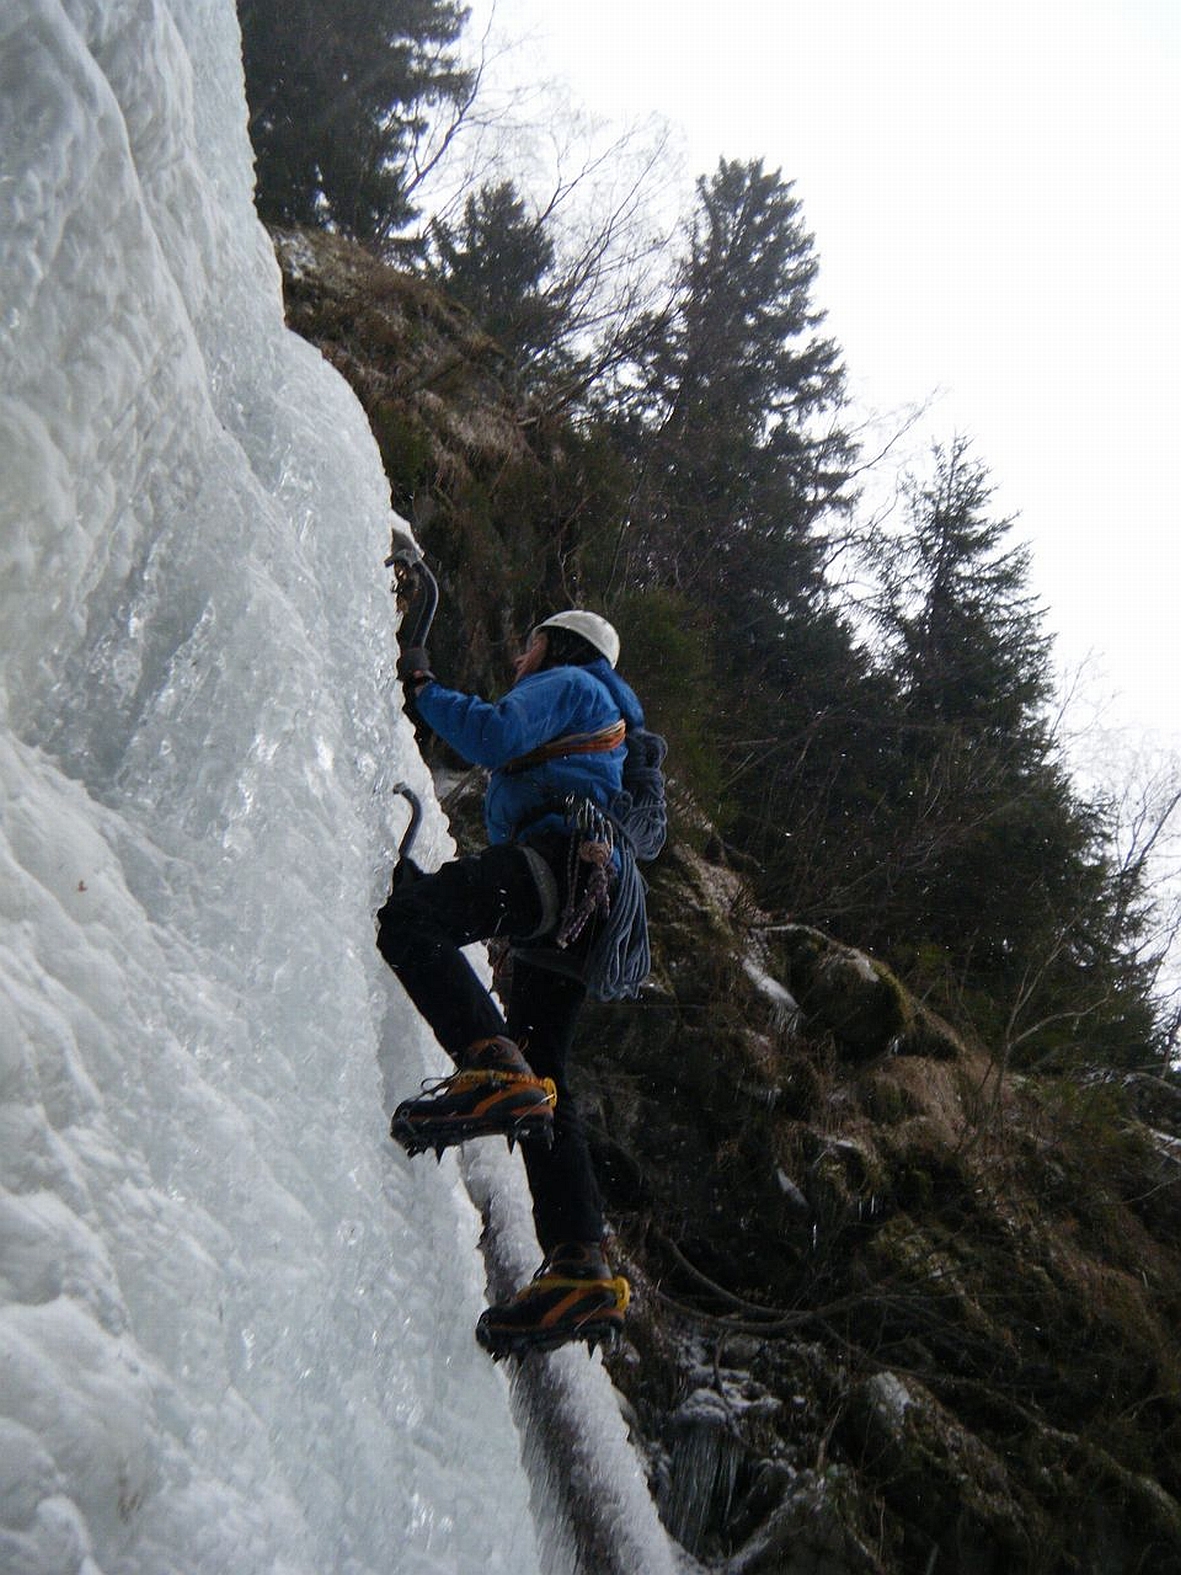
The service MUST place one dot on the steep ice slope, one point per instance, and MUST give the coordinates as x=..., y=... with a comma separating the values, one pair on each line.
x=235, y=1326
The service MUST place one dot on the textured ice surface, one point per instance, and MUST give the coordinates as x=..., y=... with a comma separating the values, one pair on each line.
x=235, y=1325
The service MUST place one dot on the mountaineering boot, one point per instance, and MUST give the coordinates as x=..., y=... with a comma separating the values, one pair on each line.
x=494, y=1093
x=573, y=1296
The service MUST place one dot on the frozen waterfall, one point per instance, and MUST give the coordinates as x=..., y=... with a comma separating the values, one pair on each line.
x=235, y=1323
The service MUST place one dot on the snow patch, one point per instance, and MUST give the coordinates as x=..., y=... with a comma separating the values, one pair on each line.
x=786, y=1007
x=890, y=1398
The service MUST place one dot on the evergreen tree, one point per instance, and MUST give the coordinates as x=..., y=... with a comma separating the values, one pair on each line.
x=990, y=869
x=733, y=425
x=340, y=93
x=732, y=380
x=964, y=632
x=495, y=262
x=970, y=666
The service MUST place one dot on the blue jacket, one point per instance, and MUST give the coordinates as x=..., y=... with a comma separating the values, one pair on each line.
x=536, y=710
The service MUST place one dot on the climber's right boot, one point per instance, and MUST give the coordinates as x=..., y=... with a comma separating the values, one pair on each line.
x=573, y=1296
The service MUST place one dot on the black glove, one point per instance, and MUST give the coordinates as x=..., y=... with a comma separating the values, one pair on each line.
x=414, y=665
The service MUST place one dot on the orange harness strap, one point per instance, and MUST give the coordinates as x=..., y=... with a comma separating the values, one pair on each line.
x=606, y=738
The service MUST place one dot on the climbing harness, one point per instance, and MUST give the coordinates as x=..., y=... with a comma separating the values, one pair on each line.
x=601, y=741
x=617, y=958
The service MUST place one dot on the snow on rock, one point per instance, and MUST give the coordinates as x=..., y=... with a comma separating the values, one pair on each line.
x=235, y=1324
x=785, y=1007
x=889, y=1396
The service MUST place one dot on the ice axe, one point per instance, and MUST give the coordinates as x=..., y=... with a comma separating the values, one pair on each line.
x=418, y=591
x=405, y=869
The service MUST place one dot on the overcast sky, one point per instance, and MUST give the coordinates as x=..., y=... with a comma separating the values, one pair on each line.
x=993, y=188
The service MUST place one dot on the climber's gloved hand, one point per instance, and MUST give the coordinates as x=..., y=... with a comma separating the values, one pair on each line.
x=414, y=666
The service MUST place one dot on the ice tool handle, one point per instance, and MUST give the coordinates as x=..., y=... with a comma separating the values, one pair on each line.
x=415, y=583
x=419, y=589
x=404, y=790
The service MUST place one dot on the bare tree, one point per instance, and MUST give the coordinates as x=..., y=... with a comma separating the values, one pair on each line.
x=599, y=193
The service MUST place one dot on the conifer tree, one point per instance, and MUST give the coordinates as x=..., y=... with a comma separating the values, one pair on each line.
x=964, y=631
x=733, y=381
x=987, y=859
x=340, y=95
x=495, y=261
x=735, y=430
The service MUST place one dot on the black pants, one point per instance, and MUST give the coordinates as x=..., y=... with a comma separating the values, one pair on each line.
x=420, y=932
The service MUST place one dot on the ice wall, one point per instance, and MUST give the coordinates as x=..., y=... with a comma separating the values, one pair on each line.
x=235, y=1324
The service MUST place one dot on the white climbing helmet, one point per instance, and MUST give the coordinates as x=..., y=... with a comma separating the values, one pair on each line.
x=594, y=630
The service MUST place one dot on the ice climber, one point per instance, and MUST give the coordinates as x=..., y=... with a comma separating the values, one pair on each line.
x=574, y=796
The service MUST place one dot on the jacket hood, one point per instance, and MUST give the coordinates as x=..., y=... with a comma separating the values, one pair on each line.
x=622, y=693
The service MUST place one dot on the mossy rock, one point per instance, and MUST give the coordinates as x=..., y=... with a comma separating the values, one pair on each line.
x=843, y=992
x=949, y=1490
x=857, y=1000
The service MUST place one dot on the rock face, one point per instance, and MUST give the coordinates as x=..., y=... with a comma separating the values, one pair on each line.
x=894, y=1310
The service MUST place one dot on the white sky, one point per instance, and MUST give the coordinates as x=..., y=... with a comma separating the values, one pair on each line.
x=994, y=193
